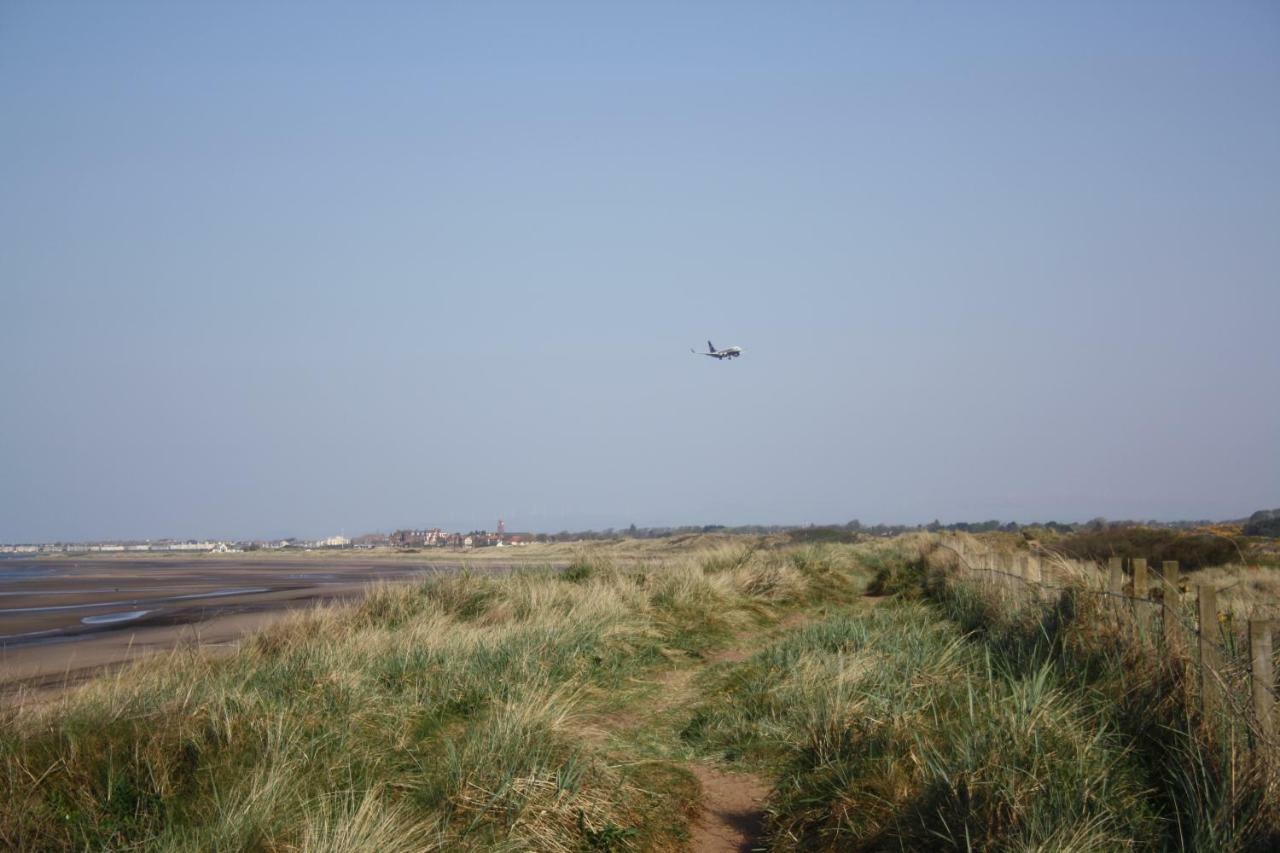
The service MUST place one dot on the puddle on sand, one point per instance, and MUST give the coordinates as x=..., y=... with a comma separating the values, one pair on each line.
x=25, y=573
x=112, y=618
x=51, y=608
x=88, y=591
x=244, y=591
x=28, y=634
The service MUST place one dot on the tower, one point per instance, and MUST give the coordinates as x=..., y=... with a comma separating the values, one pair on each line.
x=502, y=527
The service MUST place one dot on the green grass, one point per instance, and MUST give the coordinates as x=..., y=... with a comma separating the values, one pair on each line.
x=445, y=715
x=561, y=711
x=1211, y=790
x=888, y=729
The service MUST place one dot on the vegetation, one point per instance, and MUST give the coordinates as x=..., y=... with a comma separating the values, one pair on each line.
x=1192, y=550
x=1210, y=792
x=1264, y=522
x=442, y=715
x=812, y=535
x=565, y=711
x=891, y=731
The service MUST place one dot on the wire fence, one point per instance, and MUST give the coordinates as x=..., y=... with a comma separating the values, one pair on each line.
x=1222, y=673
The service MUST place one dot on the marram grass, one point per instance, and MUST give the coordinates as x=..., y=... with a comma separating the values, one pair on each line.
x=541, y=711
x=890, y=730
x=443, y=715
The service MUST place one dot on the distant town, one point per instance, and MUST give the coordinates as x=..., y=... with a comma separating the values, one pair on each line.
x=400, y=539
x=1261, y=523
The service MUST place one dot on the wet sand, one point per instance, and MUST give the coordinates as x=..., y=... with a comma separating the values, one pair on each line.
x=65, y=620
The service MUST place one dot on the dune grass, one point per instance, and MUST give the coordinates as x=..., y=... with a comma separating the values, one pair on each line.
x=954, y=717
x=1209, y=777
x=444, y=715
x=890, y=730
x=560, y=710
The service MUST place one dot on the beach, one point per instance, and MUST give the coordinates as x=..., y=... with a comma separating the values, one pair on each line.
x=63, y=620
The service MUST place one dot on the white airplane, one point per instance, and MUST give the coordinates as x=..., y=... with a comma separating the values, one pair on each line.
x=727, y=352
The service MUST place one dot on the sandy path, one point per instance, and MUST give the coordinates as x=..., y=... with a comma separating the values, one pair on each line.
x=732, y=816
x=732, y=811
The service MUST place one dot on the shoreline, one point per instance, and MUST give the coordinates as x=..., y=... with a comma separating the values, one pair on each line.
x=80, y=619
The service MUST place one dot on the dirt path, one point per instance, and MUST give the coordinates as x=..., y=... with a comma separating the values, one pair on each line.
x=732, y=818
x=732, y=811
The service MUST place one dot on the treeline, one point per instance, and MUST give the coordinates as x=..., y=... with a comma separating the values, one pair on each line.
x=1262, y=523
x=810, y=532
x=634, y=532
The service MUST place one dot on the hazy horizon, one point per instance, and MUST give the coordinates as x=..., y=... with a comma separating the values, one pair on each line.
x=300, y=269
x=617, y=529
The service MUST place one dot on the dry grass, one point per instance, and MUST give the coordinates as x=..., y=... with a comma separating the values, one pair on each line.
x=486, y=712
x=447, y=714
x=1247, y=592
x=1212, y=768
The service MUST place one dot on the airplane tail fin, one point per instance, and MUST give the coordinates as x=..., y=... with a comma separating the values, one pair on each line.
x=710, y=347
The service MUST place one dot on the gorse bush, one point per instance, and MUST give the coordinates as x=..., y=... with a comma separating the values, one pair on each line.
x=1191, y=550
x=820, y=535
x=1264, y=522
x=578, y=571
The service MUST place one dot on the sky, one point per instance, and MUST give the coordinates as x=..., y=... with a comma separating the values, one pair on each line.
x=300, y=269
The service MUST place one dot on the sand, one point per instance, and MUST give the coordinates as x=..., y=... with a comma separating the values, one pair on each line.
x=65, y=620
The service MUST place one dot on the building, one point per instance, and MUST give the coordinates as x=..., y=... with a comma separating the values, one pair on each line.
x=419, y=538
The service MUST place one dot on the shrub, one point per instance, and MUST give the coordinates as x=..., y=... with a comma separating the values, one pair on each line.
x=1191, y=550
x=1264, y=522
x=815, y=535
x=578, y=572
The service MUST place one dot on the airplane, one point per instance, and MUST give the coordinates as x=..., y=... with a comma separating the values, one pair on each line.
x=717, y=354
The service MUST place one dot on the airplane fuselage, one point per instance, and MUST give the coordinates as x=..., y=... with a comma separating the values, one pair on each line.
x=720, y=354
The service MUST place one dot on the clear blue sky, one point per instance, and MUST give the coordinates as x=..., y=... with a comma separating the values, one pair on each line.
x=273, y=269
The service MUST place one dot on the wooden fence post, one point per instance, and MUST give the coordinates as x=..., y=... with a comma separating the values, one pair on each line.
x=1264, y=679
x=1210, y=660
x=1117, y=575
x=1139, y=577
x=1172, y=598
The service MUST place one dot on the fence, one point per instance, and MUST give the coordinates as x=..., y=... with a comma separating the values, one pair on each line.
x=1153, y=606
